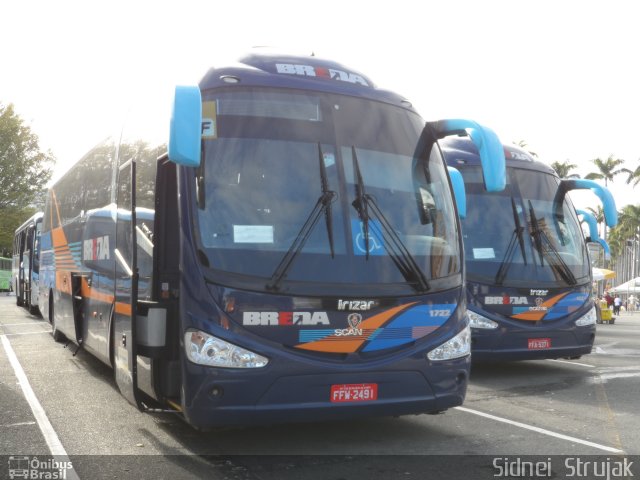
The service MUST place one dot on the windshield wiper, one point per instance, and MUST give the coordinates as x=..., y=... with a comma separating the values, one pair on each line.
x=546, y=249
x=360, y=203
x=517, y=234
x=401, y=257
x=322, y=205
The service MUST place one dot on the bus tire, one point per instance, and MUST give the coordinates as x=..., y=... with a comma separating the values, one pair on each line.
x=33, y=309
x=57, y=335
x=18, y=297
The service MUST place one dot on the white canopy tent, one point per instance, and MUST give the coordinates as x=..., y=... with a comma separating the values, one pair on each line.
x=632, y=286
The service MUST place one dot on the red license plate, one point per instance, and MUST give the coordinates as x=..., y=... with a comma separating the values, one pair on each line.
x=539, y=343
x=358, y=392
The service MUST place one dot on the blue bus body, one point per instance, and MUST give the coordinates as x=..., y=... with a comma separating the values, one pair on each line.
x=301, y=263
x=529, y=278
x=26, y=262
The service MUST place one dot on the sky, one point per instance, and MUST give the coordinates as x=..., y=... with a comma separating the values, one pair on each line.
x=560, y=75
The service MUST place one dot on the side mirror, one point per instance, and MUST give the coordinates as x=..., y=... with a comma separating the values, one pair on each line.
x=608, y=203
x=186, y=126
x=458, y=191
x=593, y=232
x=591, y=223
x=488, y=144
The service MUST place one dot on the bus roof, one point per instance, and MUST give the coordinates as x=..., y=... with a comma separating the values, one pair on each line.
x=462, y=151
x=300, y=72
x=36, y=217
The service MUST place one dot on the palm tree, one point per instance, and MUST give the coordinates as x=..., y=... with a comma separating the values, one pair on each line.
x=634, y=176
x=606, y=169
x=563, y=169
x=626, y=233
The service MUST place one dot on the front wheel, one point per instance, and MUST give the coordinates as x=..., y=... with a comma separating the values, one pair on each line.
x=18, y=297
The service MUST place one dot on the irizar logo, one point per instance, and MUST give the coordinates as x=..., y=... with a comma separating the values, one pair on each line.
x=285, y=318
x=506, y=300
x=358, y=305
x=310, y=71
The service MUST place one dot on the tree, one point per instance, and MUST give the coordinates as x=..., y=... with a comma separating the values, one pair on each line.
x=24, y=173
x=626, y=233
x=634, y=175
x=563, y=169
x=606, y=169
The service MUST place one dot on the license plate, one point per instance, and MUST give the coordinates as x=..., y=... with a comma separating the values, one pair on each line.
x=359, y=392
x=539, y=343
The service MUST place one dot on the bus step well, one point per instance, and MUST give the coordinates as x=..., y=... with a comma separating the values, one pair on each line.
x=77, y=301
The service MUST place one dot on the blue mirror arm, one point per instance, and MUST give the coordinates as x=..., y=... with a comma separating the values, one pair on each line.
x=488, y=144
x=185, y=130
x=605, y=246
x=608, y=203
x=458, y=191
x=593, y=232
x=591, y=222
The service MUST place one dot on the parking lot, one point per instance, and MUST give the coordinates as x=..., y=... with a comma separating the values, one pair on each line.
x=55, y=403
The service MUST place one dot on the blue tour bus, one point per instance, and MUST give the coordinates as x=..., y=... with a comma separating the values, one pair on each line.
x=528, y=276
x=293, y=253
x=26, y=262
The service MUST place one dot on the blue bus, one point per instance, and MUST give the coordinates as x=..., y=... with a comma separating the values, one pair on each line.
x=26, y=262
x=293, y=253
x=529, y=278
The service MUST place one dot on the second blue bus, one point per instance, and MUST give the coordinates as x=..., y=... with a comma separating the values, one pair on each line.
x=529, y=278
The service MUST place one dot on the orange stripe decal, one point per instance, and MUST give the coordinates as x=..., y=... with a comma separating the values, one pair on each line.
x=537, y=315
x=337, y=344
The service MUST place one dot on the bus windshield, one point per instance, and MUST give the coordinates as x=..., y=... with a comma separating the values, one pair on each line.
x=525, y=240
x=270, y=158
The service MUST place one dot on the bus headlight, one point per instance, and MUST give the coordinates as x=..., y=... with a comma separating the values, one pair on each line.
x=205, y=349
x=588, y=318
x=458, y=346
x=478, y=321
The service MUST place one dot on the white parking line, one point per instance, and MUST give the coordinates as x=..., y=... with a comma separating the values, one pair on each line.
x=50, y=436
x=19, y=424
x=26, y=333
x=541, y=430
x=571, y=363
x=21, y=323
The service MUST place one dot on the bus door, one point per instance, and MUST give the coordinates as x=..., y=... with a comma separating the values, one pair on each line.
x=139, y=322
x=35, y=268
x=19, y=265
x=126, y=285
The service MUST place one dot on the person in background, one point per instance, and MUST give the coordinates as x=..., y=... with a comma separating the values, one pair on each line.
x=631, y=303
x=609, y=299
x=617, y=303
